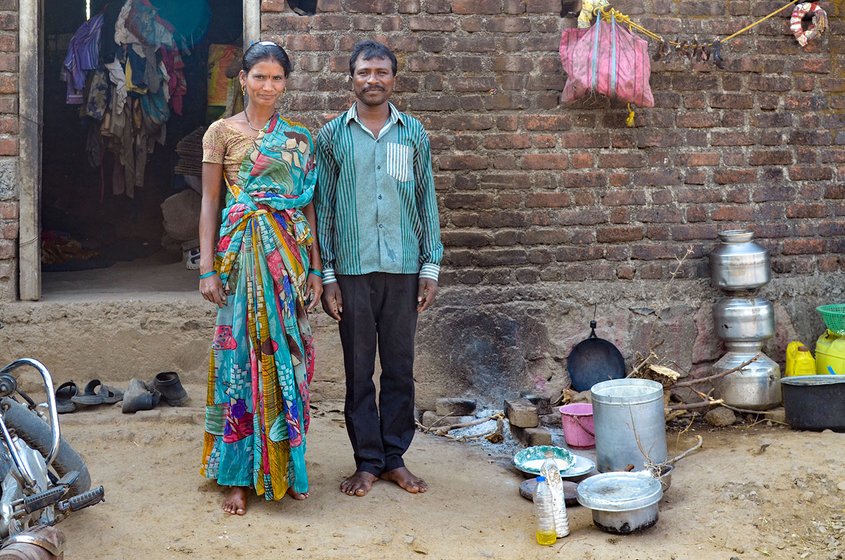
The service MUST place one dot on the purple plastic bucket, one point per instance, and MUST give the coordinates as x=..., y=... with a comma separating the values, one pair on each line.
x=577, y=422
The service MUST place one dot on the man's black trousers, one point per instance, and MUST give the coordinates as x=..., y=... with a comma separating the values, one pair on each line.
x=379, y=312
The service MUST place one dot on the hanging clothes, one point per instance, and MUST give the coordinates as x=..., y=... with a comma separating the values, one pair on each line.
x=83, y=55
x=177, y=85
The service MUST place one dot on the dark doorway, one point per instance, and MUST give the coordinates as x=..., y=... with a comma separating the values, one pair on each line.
x=92, y=217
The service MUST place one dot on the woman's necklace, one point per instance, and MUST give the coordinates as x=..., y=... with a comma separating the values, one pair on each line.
x=249, y=124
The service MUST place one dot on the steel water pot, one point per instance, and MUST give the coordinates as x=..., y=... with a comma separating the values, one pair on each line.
x=744, y=319
x=738, y=263
x=756, y=386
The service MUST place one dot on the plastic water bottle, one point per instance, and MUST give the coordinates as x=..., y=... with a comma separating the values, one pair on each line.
x=550, y=471
x=544, y=509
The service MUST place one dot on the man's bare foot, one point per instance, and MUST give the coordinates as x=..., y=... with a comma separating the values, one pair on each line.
x=297, y=495
x=406, y=480
x=235, y=502
x=358, y=484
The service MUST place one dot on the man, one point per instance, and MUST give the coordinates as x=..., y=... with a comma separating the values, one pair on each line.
x=379, y=232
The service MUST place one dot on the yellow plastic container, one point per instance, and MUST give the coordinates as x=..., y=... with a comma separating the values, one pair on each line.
x=791, y=350
x=805, y=364
x=830, y=353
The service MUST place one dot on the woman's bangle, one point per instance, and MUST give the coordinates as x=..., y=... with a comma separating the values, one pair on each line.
x=315, y=272
x=208, y=274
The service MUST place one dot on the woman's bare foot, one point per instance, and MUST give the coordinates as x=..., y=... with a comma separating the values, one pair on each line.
x=235, y=502
x=406, y=480
x=358, y=484
x=297, y=495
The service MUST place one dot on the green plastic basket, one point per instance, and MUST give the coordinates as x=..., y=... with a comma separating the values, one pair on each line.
x=833, y=315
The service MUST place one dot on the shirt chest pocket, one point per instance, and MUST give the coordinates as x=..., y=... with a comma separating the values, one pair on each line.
x=400, y=163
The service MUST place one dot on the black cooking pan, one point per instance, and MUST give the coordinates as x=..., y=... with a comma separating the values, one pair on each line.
x=593, y=360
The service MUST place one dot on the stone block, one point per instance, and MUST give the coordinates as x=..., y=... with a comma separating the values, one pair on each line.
x=551, y=419
x=522, y=413
x=455, y=406
x=532, y=436
x=720, y=417
x=542, y=403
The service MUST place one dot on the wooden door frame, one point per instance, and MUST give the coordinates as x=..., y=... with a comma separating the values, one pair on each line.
x=31, y=116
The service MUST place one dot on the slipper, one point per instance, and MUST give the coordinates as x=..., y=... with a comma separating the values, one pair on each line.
x=139, y=397
x=64, y=393
x=92, y=396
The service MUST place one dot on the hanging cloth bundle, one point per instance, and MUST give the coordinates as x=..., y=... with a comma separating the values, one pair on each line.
x=606, y=59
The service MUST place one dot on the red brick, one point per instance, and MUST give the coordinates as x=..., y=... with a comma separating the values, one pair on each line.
x=462, y=162
x=8, y=210
x=547, y=200
x=698, y=120
x=464, y=7
x=8, y=146
x=545, y=161
x=8, y=21
x=507, y=142
x=469, y=200
x=624, y=198
x=734, y=213
x=584, y=140
x=8, y=83
x=329, y=6
x=371, y=6
x=8, y=249
x=310, y=43
x=466, y=239
x=546, y=122
x=582, y=160
x=618, y=234
x=9, y=230
x=428, y=23
x=699, y=159
x=621, y=159
x=803, y=246
x=803, y=210
x=770, y=157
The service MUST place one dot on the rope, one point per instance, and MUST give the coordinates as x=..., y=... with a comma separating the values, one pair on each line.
x=607, y=13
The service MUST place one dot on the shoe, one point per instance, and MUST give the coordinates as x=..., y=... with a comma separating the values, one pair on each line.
x=139, y=397
x=168, y=384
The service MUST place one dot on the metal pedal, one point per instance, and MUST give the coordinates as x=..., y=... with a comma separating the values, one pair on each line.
x=84, y=500
x=43, y=499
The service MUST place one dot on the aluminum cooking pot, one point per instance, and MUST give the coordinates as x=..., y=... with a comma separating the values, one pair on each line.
x=744, y=319
x=594, y=360
x=621, y=502
x=738, y=263
x=756, y=386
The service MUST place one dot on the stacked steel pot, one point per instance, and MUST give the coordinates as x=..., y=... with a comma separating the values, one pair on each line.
x=744, y=321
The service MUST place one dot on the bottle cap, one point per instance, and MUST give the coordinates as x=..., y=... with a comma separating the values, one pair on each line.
x=803, y=349
x=541, y=479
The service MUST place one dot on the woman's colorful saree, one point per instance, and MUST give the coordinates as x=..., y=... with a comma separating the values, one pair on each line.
x=262, y=357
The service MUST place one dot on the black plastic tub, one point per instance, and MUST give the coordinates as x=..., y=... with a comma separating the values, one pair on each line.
x=815, y=402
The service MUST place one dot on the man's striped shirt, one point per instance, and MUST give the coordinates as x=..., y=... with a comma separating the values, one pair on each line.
x=375, y=201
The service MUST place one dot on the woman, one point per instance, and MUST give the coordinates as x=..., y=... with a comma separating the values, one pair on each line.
x=263, y=271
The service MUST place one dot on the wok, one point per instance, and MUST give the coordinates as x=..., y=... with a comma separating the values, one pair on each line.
x=593, y=360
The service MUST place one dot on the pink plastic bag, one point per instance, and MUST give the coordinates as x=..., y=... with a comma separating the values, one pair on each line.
x=606, y=59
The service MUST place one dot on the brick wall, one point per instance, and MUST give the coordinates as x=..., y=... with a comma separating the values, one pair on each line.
x=552, y=213
x=531, y=191
x=8, y=148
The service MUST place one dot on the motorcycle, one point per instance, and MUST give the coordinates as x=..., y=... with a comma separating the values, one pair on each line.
x=42, y=478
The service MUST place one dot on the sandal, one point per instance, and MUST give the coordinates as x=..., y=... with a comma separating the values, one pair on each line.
x=92, y=396
x=64, y=395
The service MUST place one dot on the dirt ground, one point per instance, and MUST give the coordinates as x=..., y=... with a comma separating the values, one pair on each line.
x=753, y=491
